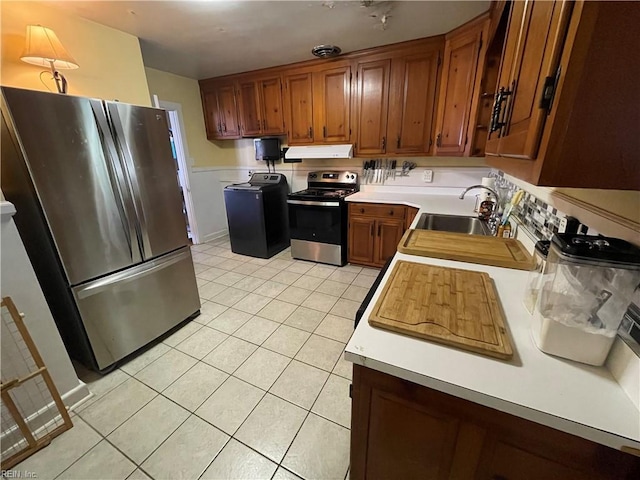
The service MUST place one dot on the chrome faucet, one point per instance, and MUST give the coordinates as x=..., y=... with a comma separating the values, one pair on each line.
x=493, y=220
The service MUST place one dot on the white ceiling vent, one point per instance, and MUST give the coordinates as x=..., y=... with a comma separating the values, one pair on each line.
x=320, y=151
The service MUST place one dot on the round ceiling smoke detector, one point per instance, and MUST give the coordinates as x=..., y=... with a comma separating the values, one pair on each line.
x=326, y=51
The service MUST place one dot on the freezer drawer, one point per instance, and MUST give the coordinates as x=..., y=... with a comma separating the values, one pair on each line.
x=125, y=311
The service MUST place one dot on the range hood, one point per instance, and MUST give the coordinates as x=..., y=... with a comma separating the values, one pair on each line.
x=320, y=151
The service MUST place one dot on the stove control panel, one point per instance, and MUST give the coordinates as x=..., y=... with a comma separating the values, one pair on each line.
x=333, y=177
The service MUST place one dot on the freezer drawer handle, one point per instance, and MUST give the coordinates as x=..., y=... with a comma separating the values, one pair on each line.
x=98, y=286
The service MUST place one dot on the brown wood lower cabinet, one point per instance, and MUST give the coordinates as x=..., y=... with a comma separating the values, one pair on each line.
x=375, y=230
x=403, y=430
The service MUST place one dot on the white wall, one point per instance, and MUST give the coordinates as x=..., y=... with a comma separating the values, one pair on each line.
x=19, y=282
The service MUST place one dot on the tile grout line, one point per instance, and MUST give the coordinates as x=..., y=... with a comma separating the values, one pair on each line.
x=290, y=360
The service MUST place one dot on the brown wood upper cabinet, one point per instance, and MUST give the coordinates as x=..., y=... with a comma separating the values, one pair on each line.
x=395, y=98
x=371, y=101
x=260, y=102
x=317, y=102
x=221, y=110
x=562, y=117
x=535, y=34
x=459, y=91
x=331, y=104
x=299, y=107
x=414, y=85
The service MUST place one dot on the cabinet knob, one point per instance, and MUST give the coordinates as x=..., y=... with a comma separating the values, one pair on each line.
x=362, y=210
x=390, y=212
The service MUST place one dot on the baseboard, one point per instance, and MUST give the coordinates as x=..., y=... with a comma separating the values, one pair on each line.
x=77, y=396
x=215, y=235
x=44, y=418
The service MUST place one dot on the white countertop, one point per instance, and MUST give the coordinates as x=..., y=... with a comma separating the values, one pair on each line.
x=433, y=203
x=569, y=396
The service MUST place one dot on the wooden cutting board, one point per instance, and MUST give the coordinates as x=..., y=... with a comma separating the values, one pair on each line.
x=447, y=305
x=499, y=252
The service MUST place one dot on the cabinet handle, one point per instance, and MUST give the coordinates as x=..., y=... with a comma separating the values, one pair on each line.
x=384, y=143
x=390, y=212
x=398, y=142
x=219, y=129
x=324, y=132
x=310, y=132
x=379, y=225
x=224, y=127
x=549, y=91
x=264, y=124
x=439, y=140
x=362, y=210
x=371, y=230
x=497, y=115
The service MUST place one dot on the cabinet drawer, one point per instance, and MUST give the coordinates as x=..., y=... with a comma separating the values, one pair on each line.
x=380, y=210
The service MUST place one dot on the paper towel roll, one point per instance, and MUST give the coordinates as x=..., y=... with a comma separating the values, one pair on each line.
x=489, y=182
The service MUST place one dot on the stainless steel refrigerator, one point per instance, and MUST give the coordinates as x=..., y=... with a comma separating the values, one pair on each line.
x=99, y=211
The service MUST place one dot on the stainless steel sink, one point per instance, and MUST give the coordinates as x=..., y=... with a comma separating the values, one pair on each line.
x=452, y=223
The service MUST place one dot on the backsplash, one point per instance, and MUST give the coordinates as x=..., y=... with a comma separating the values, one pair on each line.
x=540, y=219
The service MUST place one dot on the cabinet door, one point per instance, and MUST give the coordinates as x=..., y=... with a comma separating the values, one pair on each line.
x=332, y=89
x=271, y=102
x=299, y=104
x=414, y=80
x=459, y=73
x=534, y=41
x=388, y=235
x=361, y=239
x=411, y=215
x=372, y=106
x=228, y=109
x=211, y=114
x=397, y=435
x=249, y=108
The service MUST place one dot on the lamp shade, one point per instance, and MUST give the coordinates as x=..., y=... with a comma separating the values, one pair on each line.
x=43, y=47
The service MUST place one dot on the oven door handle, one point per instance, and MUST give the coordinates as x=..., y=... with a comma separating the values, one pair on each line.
x=312, y=203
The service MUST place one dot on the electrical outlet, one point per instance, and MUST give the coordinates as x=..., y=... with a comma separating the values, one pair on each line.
x=427, y=176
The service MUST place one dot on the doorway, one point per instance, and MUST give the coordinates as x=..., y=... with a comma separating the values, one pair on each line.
x=183, y=169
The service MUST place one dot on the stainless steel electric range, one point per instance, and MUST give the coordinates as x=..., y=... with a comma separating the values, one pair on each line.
x=318, y=217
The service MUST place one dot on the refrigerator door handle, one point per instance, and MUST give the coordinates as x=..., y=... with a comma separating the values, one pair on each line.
x=130, y=170
x=130, y=274
x=118, y=182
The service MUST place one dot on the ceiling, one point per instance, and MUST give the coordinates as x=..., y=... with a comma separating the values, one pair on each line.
x=202, y=39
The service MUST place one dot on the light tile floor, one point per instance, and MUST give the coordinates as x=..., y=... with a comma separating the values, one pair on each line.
x=255, y=387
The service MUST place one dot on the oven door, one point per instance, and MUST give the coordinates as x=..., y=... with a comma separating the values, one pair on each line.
x=317, y=221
